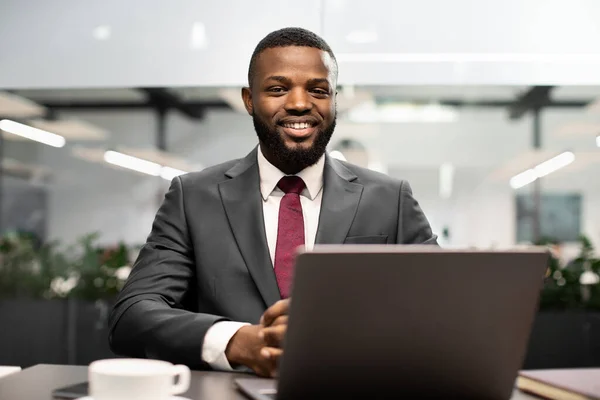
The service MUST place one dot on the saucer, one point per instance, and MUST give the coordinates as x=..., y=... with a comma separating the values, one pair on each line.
x=170, y=398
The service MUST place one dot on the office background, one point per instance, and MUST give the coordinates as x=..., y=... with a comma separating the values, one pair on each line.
x=458, y=97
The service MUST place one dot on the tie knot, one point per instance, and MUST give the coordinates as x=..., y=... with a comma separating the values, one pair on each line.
x=291, y=184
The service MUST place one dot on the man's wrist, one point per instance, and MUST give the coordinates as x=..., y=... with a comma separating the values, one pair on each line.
x=215, y=342
x=237, y=350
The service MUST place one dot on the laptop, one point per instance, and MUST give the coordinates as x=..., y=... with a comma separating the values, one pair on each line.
x=395, y=321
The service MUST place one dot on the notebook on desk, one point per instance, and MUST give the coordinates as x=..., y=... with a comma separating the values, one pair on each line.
x=371, y=321
x=561, y=384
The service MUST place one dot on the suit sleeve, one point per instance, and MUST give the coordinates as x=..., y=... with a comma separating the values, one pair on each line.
x=413, y=226
x=149, y=319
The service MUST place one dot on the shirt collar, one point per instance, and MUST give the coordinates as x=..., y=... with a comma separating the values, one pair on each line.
x=270, y=176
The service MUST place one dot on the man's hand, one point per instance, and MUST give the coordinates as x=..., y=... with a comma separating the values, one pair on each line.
x=245, y=347
x=259, y=347
x=274, y=323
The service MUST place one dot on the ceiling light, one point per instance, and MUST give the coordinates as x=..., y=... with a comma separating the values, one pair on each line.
x=446, y=178
x=102, y=32
x=598, y=140
x=198, y=39
x=133, y=163
x=141, y=165
x=542, y=169
x=523, y=179
x=31, y=133
x=553, y=164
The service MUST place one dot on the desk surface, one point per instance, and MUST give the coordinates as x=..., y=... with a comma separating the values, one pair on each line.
x=37, y=383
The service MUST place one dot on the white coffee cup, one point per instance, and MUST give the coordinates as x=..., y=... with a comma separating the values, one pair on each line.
x=136, y=379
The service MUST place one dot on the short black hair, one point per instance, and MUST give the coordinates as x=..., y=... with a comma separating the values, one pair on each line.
x=289, y=37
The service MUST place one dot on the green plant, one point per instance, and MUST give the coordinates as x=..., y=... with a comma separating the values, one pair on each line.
x=27, y=269
x=98, y=269
x=82, y=270
x=574, y=286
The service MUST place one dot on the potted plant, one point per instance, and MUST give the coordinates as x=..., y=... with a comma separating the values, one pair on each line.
x=566, y=331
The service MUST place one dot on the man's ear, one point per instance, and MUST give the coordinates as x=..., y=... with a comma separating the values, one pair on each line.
x=247, y=98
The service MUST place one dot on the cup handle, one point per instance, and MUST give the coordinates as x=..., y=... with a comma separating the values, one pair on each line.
x=184, y=375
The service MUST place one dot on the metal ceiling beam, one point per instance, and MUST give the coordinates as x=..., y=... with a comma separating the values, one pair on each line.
x=494, y=103
x=216, y=104
x=535, y=98
x=192, y=106
x=163, y=99
x=505, y=104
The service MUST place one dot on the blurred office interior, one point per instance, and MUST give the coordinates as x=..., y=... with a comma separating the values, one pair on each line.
x=491, y=110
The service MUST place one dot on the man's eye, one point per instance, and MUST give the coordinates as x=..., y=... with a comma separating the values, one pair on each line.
x=276, y=89
x=320, y=91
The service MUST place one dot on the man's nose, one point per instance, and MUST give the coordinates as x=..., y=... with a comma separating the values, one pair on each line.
x=298, y=100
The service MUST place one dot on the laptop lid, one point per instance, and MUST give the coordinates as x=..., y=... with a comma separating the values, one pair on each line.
x=368, y=320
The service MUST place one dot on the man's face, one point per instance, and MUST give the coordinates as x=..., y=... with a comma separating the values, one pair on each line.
x=292, y=103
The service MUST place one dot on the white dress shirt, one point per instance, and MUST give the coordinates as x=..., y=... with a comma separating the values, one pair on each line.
x=218, y=336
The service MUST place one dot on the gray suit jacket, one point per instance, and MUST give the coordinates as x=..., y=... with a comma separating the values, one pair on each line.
x=207, y=259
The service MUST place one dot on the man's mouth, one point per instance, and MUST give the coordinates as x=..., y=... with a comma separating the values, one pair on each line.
x=297, y=125
x=298, y=130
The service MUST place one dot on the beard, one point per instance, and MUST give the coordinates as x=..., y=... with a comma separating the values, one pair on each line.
x=293, y=160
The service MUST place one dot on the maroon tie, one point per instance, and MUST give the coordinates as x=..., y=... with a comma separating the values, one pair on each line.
x=290, y=232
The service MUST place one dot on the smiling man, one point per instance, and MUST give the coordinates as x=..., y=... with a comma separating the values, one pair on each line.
x=211, y=286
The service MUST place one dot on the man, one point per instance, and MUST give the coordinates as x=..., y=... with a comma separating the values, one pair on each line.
x=207, y=287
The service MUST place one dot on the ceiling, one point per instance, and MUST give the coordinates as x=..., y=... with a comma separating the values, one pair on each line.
x=153, y=43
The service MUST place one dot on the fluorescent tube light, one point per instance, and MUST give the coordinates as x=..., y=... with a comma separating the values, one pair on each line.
x=133, y=163
x=542, y=169
x=523, y=179
x=31, y=133
x=554, y=164
x=141, y=165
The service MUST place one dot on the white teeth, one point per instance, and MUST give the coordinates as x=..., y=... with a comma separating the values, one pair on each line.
x=297, y=125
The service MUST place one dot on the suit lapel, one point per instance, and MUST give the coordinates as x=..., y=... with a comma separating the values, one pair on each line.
x=340, y=201
x=243, y=205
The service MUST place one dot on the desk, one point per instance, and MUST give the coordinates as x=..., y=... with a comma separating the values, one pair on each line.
x=37, y=383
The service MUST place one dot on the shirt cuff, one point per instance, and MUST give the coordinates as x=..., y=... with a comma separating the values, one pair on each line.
x=215, y=343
